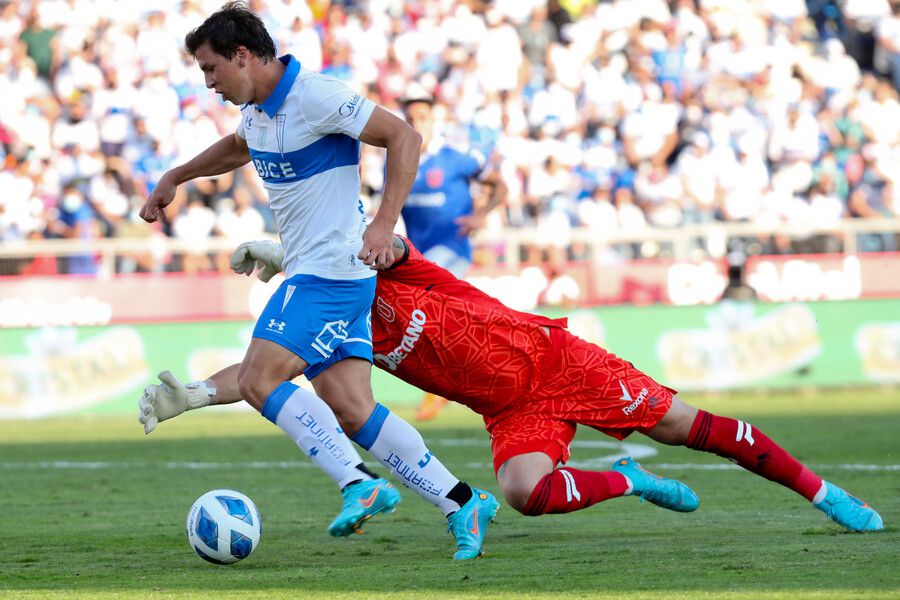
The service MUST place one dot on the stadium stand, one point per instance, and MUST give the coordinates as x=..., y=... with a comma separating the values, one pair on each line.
x=620, y=120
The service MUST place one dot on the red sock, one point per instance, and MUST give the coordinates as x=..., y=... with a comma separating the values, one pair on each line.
x=753, y=450
x=566, y=490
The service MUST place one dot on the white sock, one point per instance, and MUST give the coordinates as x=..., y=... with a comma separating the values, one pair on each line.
x=398, y=446
x=310, y=422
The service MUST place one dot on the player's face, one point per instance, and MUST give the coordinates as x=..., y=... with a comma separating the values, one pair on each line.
x=421, y=117
x=229, y=78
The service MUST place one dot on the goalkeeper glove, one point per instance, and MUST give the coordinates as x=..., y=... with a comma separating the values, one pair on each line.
x=161, y=402
x=265, y=254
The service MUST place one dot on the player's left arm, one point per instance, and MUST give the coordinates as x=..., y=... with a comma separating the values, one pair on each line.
x=402, y=142
x=413, y=269
x=497, y=191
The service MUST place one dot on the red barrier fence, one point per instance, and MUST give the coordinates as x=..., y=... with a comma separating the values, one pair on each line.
x=81, y=300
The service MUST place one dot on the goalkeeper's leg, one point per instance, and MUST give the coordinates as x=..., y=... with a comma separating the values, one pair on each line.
x=755, y=451
x=533, y=486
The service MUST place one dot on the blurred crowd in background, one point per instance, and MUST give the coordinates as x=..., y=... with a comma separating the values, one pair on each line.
x=614, y=116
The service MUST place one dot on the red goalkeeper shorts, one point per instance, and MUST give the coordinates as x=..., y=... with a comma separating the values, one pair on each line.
x=582, y=384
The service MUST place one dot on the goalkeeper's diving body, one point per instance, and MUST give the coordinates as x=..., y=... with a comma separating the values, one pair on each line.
x=533, y=382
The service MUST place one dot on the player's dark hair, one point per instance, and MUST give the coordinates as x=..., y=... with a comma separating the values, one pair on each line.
x=230, y=27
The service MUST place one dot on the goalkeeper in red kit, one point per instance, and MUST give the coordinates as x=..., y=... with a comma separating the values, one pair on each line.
x=533, y=382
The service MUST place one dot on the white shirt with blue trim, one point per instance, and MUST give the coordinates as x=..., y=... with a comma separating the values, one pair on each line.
x=303, y=142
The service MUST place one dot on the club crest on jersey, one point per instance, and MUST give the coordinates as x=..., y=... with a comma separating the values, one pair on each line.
x=434, y=178
x=384, y=310
x=413, y=332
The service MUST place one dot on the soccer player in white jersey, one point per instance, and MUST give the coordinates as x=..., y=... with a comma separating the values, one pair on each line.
x=302, y=131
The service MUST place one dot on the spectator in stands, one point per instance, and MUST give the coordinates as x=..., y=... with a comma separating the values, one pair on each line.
x=749, y=107
x=75, y=218
x=39, y=41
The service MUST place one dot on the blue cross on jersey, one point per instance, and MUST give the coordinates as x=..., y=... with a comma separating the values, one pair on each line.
x=440, y=195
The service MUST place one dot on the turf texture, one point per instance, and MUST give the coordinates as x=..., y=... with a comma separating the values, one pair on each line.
x=91, y=508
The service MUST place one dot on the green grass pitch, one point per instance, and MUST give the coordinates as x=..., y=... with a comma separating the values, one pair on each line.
x=91, y=508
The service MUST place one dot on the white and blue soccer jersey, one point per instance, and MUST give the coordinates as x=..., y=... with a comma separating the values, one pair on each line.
x=440, y=195
x=303, y=141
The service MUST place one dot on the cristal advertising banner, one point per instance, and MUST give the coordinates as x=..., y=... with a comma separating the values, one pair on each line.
x=60, y=370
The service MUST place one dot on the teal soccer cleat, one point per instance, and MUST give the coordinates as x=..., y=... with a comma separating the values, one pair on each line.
x=661, y=491
x=848, y=511
x=469, y=524
x=362, y=501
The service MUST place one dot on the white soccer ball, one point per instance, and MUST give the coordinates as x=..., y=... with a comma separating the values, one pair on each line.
x=223, y=526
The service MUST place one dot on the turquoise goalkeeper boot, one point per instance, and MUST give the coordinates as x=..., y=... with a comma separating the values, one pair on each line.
x=848, y=511
x=362, y=501
x=661, y=491
x=469, y=524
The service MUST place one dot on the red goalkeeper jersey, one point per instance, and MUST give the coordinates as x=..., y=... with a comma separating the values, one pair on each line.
x=445, y=336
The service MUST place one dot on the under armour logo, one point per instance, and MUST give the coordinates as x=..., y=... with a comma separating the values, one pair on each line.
x=744, y=431
x=275, y=324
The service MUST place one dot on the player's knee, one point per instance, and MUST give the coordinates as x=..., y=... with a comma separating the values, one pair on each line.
x=675, y=426
x=350, y=419
x=252, y=390
x=517, y=492
x=519, y=476
x=351, y=412
x=518, y=498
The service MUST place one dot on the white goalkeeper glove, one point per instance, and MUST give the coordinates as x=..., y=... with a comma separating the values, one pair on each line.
x=266, y=254
x=161, y=402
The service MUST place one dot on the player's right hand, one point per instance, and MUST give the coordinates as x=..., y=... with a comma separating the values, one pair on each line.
x=161, y=402
x=161, y=196
x=267, y=254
